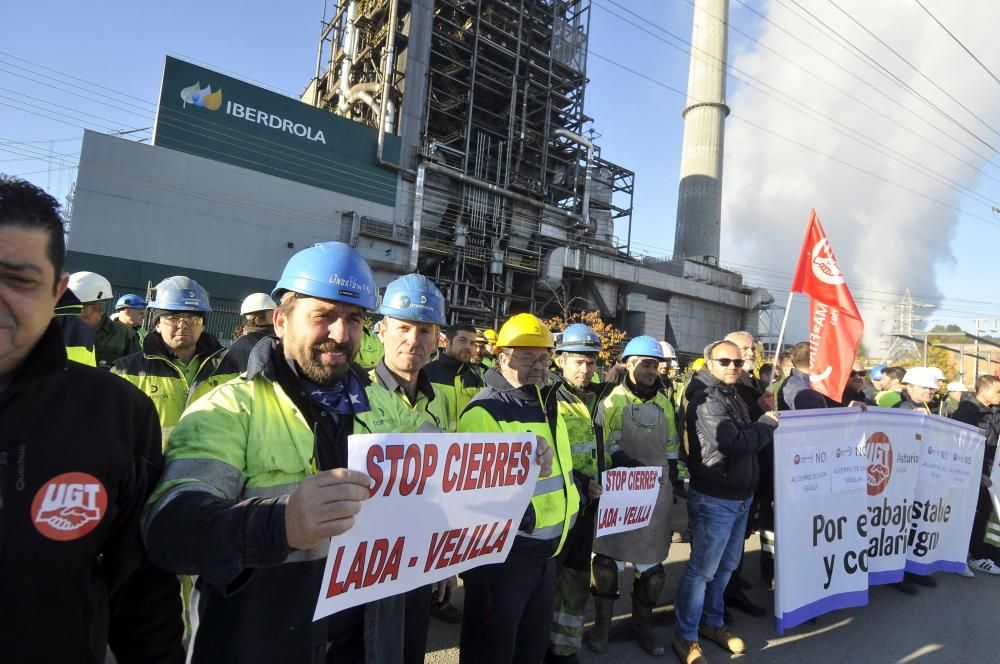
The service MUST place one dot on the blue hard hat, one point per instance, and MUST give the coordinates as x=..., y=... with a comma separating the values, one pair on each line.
x=130, y=301
x=331, y=271
x=579, y=338
x=876, y=372
x=180, y=294
x=413, y=297
x=643, y=347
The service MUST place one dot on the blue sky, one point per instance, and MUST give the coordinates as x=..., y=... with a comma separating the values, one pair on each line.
x=116, y=55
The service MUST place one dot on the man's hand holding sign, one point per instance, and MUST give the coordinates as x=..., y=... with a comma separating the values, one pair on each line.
x=430, y=505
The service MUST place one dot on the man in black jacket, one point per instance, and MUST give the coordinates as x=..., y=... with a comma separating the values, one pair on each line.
x=722, y=460
x=258, y=323
x=980, y=411
x=79, y=454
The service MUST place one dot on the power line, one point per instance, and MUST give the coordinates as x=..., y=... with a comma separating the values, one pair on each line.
x=958, y=41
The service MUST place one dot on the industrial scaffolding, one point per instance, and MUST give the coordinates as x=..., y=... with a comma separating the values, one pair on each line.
x=488, y=99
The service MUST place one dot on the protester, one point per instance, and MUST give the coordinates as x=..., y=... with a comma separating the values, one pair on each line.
x=487, y=347
x=130, y=309
x=256, y=479
x=892, y=386
x=180, y=361
x=750, y=390
x=579, y=401
x=452, y=371
x=957, y=392
x=876, y=375
x=413, y=311
x=112, y=340
x=722, y=460
x=981, y=411
x=257, y=310
x=371, y=349
x=508, y=606
x=78, y=337
x=639, y=430
x=79, y=455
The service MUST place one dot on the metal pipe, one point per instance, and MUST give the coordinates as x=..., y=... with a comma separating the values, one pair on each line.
x=418, y=214
x=345, y=66
x=390, y=56
x=589, y=144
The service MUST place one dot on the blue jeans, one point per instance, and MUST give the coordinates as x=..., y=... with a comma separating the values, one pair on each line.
x=717, y=531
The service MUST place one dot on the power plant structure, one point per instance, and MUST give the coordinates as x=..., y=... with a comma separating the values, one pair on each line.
x=447, y=137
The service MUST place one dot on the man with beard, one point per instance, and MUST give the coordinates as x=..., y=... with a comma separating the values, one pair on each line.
x=179, y=361
x=579, y=400
x=453, y=371
x=639, y=430
x=257, y=310
x=256, y=480
x=413, y=311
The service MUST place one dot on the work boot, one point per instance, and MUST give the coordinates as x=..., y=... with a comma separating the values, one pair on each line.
x=645, y=593
x=689, y=651
x=723, y=637
x=596, y=637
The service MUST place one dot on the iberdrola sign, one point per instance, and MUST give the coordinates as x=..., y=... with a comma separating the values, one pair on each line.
x=212, y=115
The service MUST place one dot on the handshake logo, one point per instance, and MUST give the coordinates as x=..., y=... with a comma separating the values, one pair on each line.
x=69, y=506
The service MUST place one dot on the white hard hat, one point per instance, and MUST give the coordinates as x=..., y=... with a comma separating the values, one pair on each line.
x=90, y=287
x=920, y=377
x=956, y=386
x=668, y=350
x=937, y=373
x=256, y=302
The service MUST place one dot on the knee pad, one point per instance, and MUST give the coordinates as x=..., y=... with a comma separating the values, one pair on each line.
x=604, y=572
x=647, y=586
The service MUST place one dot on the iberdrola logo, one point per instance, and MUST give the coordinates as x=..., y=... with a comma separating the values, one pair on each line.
x=202, y=97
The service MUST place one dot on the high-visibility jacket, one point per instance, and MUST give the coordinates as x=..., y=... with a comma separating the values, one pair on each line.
x=583, y=417
x=615, y=405
x=430, y=402
x=171, y=385
x=218, y=512
x=78, y=337
x=371, y=350
x=459, y=381
x=501, y=407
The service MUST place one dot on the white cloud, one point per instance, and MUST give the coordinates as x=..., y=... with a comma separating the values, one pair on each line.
x=886, y=238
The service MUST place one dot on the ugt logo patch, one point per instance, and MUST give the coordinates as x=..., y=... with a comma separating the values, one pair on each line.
x=69, y=506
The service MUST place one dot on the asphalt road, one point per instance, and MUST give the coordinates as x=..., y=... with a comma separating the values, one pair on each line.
x=957, y=622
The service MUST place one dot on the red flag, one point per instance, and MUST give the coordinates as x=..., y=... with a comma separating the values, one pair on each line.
x=835, y=325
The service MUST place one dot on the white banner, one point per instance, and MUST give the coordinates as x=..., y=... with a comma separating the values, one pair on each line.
x=628, y=499
x=440, y=504
x=861, y=497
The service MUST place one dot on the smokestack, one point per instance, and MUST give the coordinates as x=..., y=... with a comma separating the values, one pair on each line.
x=699, y=201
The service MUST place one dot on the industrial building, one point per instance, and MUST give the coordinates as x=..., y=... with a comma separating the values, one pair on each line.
x=441, y=136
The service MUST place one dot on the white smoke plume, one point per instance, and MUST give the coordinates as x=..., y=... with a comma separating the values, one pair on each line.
x=886, y=239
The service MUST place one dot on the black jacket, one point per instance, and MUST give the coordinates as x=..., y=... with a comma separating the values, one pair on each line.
x=238, y=354
x=112, y=341
x=973, y=412
x=79, y=455
x=724, y=441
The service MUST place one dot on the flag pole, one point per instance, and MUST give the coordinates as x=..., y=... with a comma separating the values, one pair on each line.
x=781, y=335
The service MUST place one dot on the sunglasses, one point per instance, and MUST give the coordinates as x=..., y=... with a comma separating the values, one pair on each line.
x=725, y=362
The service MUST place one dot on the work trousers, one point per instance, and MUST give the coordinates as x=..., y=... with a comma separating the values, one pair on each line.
x=508, y=610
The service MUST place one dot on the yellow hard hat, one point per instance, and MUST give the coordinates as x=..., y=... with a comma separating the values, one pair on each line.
x=698, y=364
x=491, y=336
x=481, y=337
x=525, y=331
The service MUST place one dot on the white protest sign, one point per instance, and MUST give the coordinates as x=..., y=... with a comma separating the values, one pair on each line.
x=912, y=512
x=942, y=512
x=628, y=499
x=440, y=504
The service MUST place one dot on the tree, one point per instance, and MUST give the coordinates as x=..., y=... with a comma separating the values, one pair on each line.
x=612, y=339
